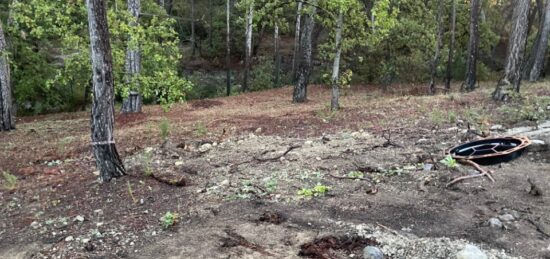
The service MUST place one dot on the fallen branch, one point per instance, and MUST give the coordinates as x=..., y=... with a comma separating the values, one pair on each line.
x=179, y=183
x=260, y=159
x=482, y=172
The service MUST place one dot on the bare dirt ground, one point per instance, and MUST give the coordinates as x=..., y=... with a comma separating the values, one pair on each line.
x=255, y=176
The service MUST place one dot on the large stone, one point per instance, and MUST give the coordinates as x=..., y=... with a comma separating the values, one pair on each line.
x=471, y=252
x=372, y=252
x=495, y=223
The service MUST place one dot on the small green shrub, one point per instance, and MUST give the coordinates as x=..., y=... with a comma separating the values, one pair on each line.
x=169, y=219
x=318, y=190
x=10, y=180
x=449, y=162
x=164, y=127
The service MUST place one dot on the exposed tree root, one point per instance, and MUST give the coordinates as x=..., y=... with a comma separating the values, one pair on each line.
x=179, y=183
x=482, y=172
x=261, y=159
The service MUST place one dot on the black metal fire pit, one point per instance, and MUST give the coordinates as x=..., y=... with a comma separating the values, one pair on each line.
x=491, y=151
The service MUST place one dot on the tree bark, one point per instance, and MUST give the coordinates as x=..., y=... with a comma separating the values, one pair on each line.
x=516, y=46
x=276, y=41
x=132, y=103
x=306, y=51
x=248, y=45
x=438, y=44
x=228, y=47
x=541, y=47
x=451, y=49
x=193, y=36
x=211, y=25
x=297, y=39
x=102, y=122
x=7, y=112
x=334, y=101
x=473, y=45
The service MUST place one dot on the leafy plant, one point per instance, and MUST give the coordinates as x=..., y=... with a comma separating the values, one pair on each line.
x=10, y=180
x=271, y=184
x=318, y=190
x=449, y=162
x=356, y=174
x=200, y=129
x=164, y=127
x=169, y=219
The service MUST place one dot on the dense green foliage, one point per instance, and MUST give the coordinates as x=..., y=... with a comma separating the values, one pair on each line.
x=384, y=42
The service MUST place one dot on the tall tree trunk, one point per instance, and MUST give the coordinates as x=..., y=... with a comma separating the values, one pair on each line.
x=297, y=39
x=228, y=47
x=438, y=44
x=193, y=36
x=211, y=25
x=473, y=46
x=248, y=45
x=541, y=47
x=516, y=46
x=306, y=51
x=133, y=103
x=160, y=3
x=276, y=41
x=7, y=113
x=334, y=101
x=451, y=49
x=102, y=123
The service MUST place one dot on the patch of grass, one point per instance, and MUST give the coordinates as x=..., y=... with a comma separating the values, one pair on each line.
x=527, y=108
x=437, y=117
x=356, y=174
x=169, y=219
x=318, y=190
x=131, y=192
x=164, y=127
x=10, y=180
x=271, y=185
x=326, y=114
x=451, y=115
x=147, y=163
x=200, y=129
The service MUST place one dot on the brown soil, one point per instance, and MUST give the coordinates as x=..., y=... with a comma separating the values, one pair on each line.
x=237, y=203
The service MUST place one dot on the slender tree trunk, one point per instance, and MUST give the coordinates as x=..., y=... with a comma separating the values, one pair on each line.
x=133, y=103
x=193, y=39
x=306, y=51
x=7, y=112
x=473, y=45
x=228, y=47
x=211, y=25
x=451, y=49
x=438, y=44
x=160, y=3
x=539, y=52
x=248, y=45
x=102, y=123
x=516, y=46
x=276, y=41
x=297, y=39
x=334, y=101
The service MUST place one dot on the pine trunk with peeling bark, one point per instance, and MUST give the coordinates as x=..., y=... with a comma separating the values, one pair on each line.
x=102, y=123
x=511, y=80
x=438, y=44
x=451, y=49
x=297, y=39
x=248, y=45
x=473, y=47
x=541, y=47
x=228, y=47
x=276, y=47
x=7, y=113
x=306, y=51
x=133, y=103
x=334, y=101
x=193, y=36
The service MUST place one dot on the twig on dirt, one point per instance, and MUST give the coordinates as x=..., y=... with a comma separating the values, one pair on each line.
x=482, y=172
x=260, y=159
x=540, y=228
x=422, y=184
x=386, y=134
x=388, y=229
x=534, y=189
x=350, y=178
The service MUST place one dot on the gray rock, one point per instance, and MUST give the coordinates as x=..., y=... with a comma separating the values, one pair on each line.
x=372, y=252
x=471, y=252
x=205, y=147
x=495, y=223
x=69, y=239
x=506, y=217
x=35, y=225
x=497, y=127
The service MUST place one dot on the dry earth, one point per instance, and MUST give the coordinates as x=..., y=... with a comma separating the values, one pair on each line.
x=263, y=178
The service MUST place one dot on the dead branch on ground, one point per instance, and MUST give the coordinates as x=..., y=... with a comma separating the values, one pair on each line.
x=261, y=159
x=482, y=172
